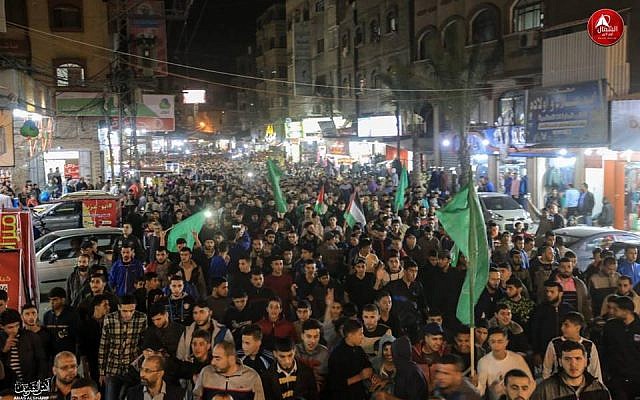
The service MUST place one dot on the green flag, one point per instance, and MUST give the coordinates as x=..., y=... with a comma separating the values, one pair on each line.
x=463, y=221
x=184, y=230
x=274, y=175
x=402, y=187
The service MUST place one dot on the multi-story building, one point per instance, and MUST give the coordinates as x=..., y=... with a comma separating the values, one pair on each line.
x=271, y=64
x=57, y=46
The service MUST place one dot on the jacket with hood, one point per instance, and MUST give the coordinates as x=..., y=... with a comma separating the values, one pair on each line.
x=556, y=388
x=218, y=331
x=378, y=362
x=410, y=383
x=244, y=384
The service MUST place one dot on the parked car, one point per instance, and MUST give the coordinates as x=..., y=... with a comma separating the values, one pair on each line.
x=56, y=254
x=504, y=211
x=86, y=209
x=583, y=239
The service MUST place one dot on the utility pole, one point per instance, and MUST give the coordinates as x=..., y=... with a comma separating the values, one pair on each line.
x=121, y=83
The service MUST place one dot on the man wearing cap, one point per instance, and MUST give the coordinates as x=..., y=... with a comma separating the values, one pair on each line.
x=62, y=322
x=429, y=350
x=22, y=354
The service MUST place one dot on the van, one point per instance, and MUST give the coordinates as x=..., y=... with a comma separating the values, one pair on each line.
x=504, y=211
x=56, y=254
x=81, y=210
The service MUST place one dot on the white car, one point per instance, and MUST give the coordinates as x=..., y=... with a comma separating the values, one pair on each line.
x=56, y=254
x=503, y=210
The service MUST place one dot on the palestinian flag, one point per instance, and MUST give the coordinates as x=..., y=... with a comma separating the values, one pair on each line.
x=354, y=212
x=320, y=208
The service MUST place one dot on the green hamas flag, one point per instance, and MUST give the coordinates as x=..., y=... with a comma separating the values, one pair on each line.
x=184, y=230
x=400, y=190
x=274, y=175
x=463, y=221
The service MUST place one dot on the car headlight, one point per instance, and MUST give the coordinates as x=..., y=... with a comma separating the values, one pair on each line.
x=496, y=217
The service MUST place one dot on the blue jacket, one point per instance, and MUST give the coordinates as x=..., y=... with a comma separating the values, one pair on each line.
x=121, y=277
x=629, y=269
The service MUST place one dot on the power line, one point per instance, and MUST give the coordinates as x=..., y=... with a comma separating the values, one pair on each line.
x=281, y=81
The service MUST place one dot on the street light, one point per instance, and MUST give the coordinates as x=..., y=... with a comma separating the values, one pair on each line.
x=446, y=143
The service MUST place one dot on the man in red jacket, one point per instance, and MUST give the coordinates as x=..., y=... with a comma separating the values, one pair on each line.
x=273, y=326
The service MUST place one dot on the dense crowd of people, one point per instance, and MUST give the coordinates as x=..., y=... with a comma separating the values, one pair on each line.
x=307, y=305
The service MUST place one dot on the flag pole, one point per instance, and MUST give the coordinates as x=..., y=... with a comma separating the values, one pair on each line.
x=472, y=283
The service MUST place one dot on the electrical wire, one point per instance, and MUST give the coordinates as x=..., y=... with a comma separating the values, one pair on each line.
x=249, y=77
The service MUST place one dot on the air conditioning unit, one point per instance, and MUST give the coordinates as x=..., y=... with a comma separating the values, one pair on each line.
x=529, y=40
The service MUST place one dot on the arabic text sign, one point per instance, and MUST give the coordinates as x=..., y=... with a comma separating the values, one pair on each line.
x=39, y=389
x=570, y=115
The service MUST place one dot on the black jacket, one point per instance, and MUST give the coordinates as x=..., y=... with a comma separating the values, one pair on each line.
x=304, y=387
x=554, y=388
x=33, y=362
x=621, y=355
x=409, y=382
x=545, y=325
x=173, y=392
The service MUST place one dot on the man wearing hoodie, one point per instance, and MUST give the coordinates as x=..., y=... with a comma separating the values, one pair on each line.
x=409, y=382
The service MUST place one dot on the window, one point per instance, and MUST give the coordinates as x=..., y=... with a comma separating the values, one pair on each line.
x=65, y=16
x=358, y=37
x=392, y=22
x=424, y=43
x=282, y=71
x=374, y=79
x=69, y=74
x=282, y=42
x=319, y=5
x=272, y=43
x=374, y=29
x=528, y=14
x=485, y=26
x=511, y=109
x=453, y=35
x=320, y=46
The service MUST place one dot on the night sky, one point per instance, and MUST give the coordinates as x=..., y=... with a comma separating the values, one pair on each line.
x=217, y=31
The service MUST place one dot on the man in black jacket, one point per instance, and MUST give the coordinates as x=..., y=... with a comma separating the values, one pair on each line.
x=286, y=378
x=349, y=365
x=23, y=345
x=152, y=382
x=545, y=323
x=586, y=202
x=621, y=353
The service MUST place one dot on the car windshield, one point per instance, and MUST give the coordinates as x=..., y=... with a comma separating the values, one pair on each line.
x=496, y=203
x=42, y=242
